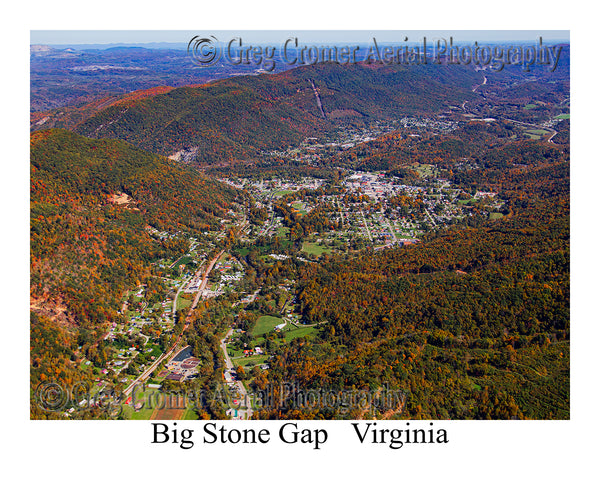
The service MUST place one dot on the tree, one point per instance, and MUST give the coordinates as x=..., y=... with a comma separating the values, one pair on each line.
x=240, y=372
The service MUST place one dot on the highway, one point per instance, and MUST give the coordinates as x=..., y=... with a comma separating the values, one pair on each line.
x=171, y=352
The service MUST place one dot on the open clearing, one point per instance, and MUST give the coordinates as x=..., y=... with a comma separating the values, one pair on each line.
x=281, y=193
x=314, y=248
x=265, y=324
x=300, y=332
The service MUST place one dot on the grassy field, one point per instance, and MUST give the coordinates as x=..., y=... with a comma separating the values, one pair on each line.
x=538, y=132
x=281, y=193
x=283, y=231
x=563, y=116
x=183, y=302
x=143, y=414
x=425, y=170
x=300, y=332
x=495, y=215
x=300, y=207
x=190, y=414
x=265, y=324
x=254, y=359
x=530, y=106
x=315, y=248
x=232, y=352
x=183, y=261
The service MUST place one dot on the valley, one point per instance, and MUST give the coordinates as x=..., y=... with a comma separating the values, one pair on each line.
x=421, y=245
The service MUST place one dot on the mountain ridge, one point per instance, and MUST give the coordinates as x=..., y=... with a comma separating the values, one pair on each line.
x=238, y=117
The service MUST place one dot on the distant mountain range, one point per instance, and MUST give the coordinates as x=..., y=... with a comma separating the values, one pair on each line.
x=70, y=77
x=237, y=117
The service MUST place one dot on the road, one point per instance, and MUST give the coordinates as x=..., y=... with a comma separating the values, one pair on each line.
x=549, y=140
x=430, y=218
x=316, y=92
x=202, y=286
x=269, y=203
x=394, y=239
x=551, y=136
x=337, y=200
x=247, y=412
x=170, y=353
x=551, y=130
x=473, y=90
x=481, y=84
x=366, y=226
x=182, y=286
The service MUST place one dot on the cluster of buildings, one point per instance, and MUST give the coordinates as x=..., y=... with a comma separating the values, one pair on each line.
x=182, y=367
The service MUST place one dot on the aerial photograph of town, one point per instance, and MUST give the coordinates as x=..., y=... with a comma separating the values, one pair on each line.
x=272, y=226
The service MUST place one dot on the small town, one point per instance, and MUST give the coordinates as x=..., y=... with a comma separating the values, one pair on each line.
x=366, y=210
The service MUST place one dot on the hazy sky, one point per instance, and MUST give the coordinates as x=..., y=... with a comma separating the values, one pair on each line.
x=62, y=37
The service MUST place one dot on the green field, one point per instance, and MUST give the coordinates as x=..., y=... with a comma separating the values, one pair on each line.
x=254, y=359
x=315, y=248
x=300, y=332
x=156, y=350
x=299, y=207
x=142, y=414
x=283, y=231
x=183, y=261
x=563, y=116
x=281, y=193
x=495, y=215
x=190, y=414
x=232, y=352
x=538, y=132
x=183, y=302
x=265, y=324
x=529, y=106
x=425, y=170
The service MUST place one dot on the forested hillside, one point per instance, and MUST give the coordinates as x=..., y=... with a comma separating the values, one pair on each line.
x=94, y=207
x=91, y=204
x=235, y=118
x=473, y=322
x=373, y=229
